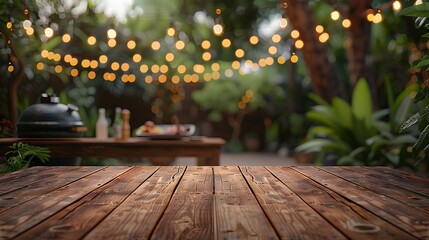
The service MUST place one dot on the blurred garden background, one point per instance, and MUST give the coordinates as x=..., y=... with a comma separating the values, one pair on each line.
x=330, y=81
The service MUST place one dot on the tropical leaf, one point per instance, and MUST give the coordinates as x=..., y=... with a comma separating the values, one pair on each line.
x=421, y=10
x=424, y=61
x=422, y=141
x=317, y=99
x=317, y=145
x=422, y=94
x=343, y=112
x=362, y=101
x=418, y=117
x=411, y=121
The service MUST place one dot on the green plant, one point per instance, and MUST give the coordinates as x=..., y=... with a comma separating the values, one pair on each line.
x=22, y=155
x=421, y=146
x=355, y=134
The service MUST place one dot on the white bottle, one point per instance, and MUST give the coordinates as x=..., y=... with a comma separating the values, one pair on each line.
x=101, y=127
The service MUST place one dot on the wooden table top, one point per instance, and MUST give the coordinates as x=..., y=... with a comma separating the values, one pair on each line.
x=202, y=202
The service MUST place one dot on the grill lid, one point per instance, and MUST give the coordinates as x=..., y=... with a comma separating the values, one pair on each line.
x=49, y=117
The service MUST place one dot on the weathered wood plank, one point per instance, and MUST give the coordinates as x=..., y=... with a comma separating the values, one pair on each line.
x=237, y=212
x=351, y=219
x=5, y=178
x=403, y=216
x=138, y=215
x=380, y=186
x=189, y=214
x=399, y=178
x=76, y=220
x=16, y=182
x=24, y=216
x=43, y=183
x=289, y=214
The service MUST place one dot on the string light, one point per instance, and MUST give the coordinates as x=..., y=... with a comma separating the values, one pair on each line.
x=49, y=32
x=397, y=6
x=58, y=69
x=74, y=72
x=91, y=40
x=29, y=31
x=91, y=75
x=226, y=43
x=114, y=66
x=206, y=56
x=180, y=45
x=131, y=44
x=111, y=33
x=281, y=60
x=111, y=43
x=346, y=23
x=66, y=38
x=294, y=58
x=125, y=67
x=40, y=66
x=276, y=38
x=154, y=68
x=215, y=67
x=335, y=15
x=323, y=37
x=272, y=50
x=218, y=29
x=205, y=44
x=254, y=40
x=137, y=58
x=93, y=64
x=171, y=31
x=299, y=44
x=181, y=69
x=144, y=68
x=239, y=53
x=229, y=73
x=283, y=23
x=294, y=34
x=103, y=59
x=378, y=18
x=169, y=57
x=319, y=29
x=175, y=79
x=155, y=45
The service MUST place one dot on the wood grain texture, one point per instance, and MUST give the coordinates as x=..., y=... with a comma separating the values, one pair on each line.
x=383, y=187
x=138, y=215
x=28, y=214
x=402, y=179
x=41, y=184
x=79, y=218
x=402, y=216
x=352, y=220
x=289, y=214
x=237, y=212
x=189, y=215
x=204, y=202
x=38, y=174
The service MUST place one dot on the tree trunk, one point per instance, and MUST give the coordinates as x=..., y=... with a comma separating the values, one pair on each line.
x=314, y=52
x=13, y=83
x=358, y=40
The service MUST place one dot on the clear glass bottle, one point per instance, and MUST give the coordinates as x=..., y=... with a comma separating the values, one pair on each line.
x=117, y=124
x=101, y=127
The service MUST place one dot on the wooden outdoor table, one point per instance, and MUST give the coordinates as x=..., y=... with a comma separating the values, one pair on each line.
x=207, y=150
x=202, y=202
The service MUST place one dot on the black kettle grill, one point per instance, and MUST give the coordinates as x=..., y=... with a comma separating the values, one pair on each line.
x=49, y=118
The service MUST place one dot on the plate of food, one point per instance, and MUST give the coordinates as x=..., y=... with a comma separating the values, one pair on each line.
x=165, y=131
